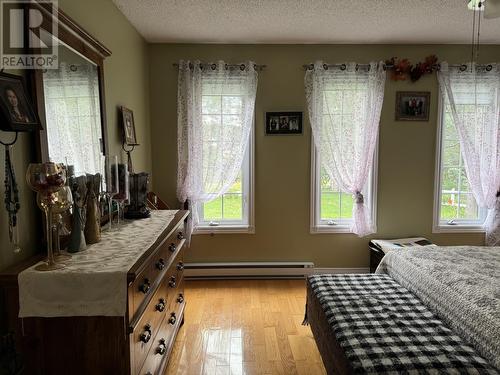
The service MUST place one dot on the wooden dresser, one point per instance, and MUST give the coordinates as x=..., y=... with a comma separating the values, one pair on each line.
x=138, y=343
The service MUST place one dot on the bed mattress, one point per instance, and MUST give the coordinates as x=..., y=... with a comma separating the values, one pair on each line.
x=460, y=284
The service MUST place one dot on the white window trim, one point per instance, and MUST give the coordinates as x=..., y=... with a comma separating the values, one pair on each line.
x=237, y=228
x=438, y=225
x=344, y=225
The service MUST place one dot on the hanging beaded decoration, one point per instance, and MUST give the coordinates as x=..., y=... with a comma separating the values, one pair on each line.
x=11, y=200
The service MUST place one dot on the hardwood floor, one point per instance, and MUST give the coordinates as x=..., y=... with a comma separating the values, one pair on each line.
x=245, y=327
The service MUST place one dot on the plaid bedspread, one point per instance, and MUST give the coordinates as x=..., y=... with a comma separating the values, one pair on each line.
x=385, y=329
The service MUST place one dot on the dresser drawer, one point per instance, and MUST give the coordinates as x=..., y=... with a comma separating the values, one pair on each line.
x=157, y=357
x=159, y=350
x=177, y=296
x=148, y=326
x=144, y=285
x=174, y=276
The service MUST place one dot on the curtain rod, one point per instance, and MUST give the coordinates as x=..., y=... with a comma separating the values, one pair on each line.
x=241, y=66
x=462, y=67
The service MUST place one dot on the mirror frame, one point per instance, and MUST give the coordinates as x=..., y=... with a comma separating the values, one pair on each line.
x=75, y=37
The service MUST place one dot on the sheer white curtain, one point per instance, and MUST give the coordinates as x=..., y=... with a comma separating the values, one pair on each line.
x=73, y=116
x=215, y=112
x=344, y=110
x=478, y=127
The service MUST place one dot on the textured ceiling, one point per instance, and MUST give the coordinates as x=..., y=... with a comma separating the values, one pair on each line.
x=306, y=21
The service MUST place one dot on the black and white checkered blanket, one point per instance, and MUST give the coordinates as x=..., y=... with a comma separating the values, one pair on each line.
x=385, y=329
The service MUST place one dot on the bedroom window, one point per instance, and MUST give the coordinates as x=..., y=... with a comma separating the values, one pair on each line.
x=455, y=205
x=233, y=211
x=344, y=105
x=331, y=209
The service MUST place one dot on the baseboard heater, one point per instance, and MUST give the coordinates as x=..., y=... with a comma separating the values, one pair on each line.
x=248, y=270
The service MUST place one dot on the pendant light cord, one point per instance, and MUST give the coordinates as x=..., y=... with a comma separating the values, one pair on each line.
x=478, y=29
x=473, y=36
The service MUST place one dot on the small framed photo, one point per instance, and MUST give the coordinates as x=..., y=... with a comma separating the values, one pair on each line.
x=129, y=136
x=283, y=122
x=16, y=109
x=412, y=105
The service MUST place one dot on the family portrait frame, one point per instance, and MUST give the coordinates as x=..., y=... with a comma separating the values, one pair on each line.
x=412, y=105
x=283, y=123
x=16, y=109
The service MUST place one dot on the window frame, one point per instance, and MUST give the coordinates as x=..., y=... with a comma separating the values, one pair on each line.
x=318, y=226
x=451, y=226
x=247, y=224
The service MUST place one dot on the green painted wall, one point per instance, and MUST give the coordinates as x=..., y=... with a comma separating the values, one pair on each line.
x=126, y=74
x=282, y=163
x=141, y=77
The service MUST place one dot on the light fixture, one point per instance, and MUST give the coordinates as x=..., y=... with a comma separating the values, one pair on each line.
x=477, y=7
x=491, y=8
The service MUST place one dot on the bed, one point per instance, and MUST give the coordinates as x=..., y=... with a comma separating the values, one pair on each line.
x=427, y=310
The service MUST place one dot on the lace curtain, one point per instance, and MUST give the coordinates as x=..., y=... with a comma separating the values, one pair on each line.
x=215, y=111
x=478, y=128
x=73, y=116
x=344, y=110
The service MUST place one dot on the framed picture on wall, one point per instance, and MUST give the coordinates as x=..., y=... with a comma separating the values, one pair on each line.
x=412, y=105
x=129, y=136
x=283, y=123
x=16, y=108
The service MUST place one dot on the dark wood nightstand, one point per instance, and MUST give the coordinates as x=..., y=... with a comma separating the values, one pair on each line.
x=376, y=256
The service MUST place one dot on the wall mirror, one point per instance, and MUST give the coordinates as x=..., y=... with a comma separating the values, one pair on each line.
x=70, y=100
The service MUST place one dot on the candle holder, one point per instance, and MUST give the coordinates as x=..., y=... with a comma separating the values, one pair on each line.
x=46, y=179
x=111, y=187
x=123, y=195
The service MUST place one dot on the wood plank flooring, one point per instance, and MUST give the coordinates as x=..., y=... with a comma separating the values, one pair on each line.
x=245, y=327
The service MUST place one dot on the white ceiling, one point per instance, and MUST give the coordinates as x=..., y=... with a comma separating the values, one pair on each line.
x=306, y=21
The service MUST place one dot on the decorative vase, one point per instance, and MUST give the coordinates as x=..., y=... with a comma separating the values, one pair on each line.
x=138, y=208
x=61, y=201
x=47, y=179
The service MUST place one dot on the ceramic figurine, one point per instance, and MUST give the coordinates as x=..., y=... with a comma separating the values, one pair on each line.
x=77, y=238
x=93, y=216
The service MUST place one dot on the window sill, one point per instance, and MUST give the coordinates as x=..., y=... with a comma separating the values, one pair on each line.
x=330, y=229
x=459, y=228
x=225, y=229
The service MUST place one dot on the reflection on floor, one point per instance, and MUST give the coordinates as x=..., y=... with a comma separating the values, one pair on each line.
x=245, y=327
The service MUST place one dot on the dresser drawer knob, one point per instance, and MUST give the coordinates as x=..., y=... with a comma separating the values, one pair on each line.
x=180, y=266
x=171, y=282
x=172, y=247
x=160, y=264
x=180, y=299
x=146, y=335
x=180, y=236
x=160, y=306
x=172, y=319
x=145, y=286
x=162, y=348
